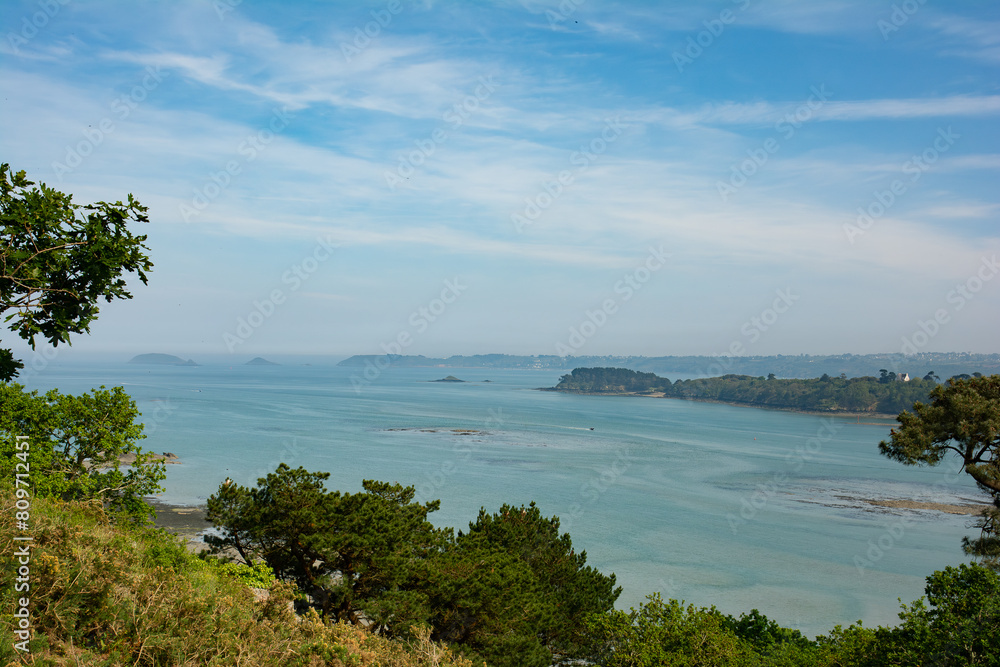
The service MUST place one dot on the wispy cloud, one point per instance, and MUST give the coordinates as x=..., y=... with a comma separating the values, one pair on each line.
x=977, y=39
x=964, y=210
x=853, y=110
x=353, y=121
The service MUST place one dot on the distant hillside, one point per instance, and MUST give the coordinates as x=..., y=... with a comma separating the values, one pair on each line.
x=945, y=364
x=156, y=359
x=459, y=361
x=260, y=361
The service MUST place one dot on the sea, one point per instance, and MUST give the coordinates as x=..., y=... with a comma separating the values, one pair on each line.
x=736, y=507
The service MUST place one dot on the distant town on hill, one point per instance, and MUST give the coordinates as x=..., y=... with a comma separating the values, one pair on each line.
x=944, y=364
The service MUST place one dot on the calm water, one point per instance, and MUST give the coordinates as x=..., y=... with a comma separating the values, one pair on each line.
x=711, y=504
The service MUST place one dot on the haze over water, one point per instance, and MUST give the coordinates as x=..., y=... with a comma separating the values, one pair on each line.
x=713, y=504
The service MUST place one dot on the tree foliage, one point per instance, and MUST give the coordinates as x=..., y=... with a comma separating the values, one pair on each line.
x=511, y=590
x=611, y=380
x=59, y=259
x=560, y=587
x=75, y=444
x=488, y=602
x=957, y=624
x=669, y=633
x=963, y=418
x=352, y=553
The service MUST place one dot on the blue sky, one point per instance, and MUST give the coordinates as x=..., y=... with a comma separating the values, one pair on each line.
x=527, y=177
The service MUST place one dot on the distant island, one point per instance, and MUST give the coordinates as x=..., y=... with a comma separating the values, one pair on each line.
x=888, y=394
x=450, y=378
x=155, y=359
x=260, y=361
x=946, y=364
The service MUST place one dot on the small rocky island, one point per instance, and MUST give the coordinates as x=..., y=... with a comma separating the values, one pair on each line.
x=260, y=361
x=155, y=359
x=450, y=378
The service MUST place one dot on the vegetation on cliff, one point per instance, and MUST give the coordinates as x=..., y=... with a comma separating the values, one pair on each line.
x=105, y=595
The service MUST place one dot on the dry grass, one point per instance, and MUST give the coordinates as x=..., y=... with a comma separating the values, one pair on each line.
x=101, y=595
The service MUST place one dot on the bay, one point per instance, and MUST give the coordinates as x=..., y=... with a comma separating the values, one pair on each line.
x=713, y=504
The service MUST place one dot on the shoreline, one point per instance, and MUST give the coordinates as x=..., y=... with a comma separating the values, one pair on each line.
x=947, y=508
x=185, y=521
x=870, y=415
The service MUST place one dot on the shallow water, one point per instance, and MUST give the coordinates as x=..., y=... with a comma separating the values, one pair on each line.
x=714, y=504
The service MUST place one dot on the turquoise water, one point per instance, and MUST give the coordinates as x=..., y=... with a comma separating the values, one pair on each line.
x=708, y=503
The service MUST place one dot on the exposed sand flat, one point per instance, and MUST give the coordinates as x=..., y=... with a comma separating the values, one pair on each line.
x=185, y=522
x=918, y=505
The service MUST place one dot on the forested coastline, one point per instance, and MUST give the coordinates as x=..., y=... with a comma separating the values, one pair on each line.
x=886, y=394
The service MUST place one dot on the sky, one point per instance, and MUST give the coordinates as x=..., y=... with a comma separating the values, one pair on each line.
x=578, y=177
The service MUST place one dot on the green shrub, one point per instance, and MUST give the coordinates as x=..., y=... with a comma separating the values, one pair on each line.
x=257, y=575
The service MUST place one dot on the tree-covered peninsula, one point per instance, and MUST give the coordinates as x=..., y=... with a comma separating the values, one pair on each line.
x=887, y=394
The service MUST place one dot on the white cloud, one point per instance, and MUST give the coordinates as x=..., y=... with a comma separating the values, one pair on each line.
x=971, y=210
x=977, y=39
x=853, y=110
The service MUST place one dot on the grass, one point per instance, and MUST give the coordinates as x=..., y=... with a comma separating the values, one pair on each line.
x=105, y=595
